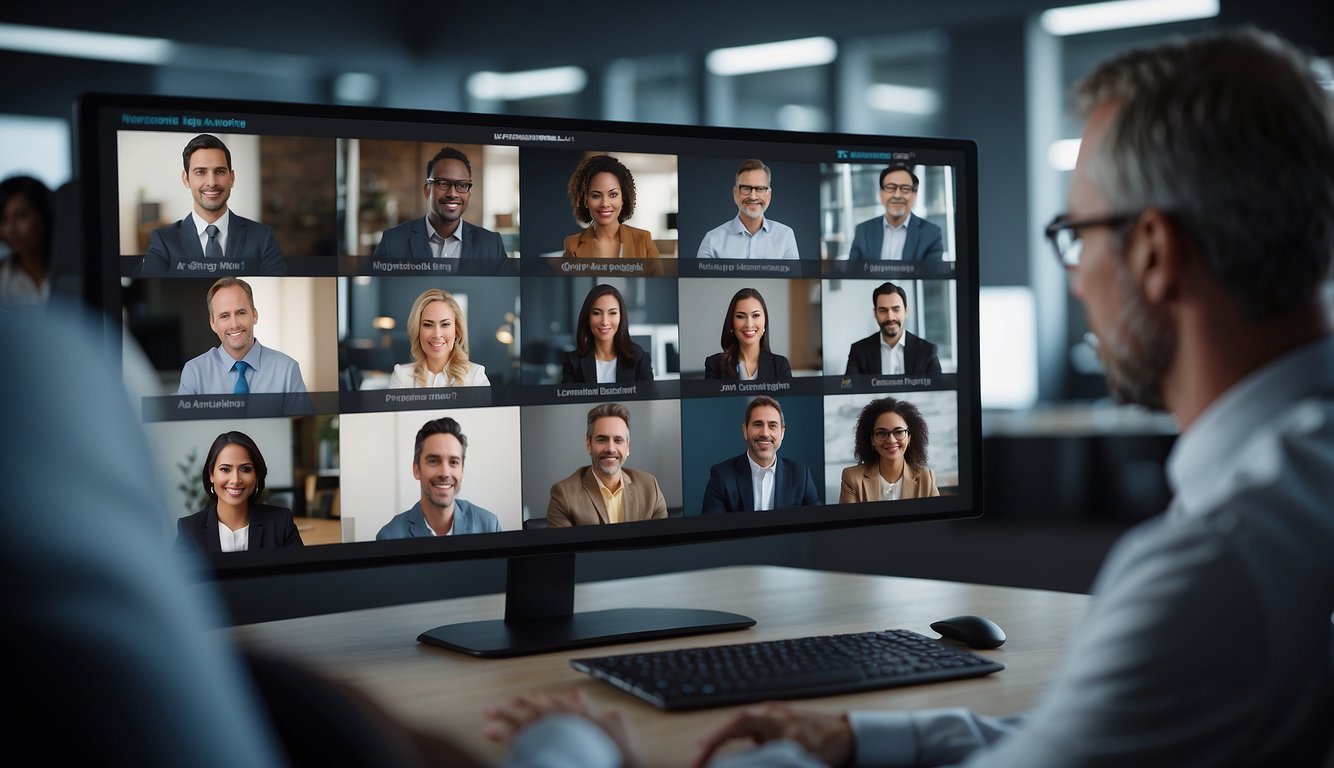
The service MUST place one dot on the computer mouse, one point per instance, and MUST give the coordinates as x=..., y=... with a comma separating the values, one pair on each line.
x=972, y=631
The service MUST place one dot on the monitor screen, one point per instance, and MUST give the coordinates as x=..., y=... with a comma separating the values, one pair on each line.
x=426, y=323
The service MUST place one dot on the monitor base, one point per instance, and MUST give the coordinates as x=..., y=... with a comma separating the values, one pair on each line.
x=496, y=638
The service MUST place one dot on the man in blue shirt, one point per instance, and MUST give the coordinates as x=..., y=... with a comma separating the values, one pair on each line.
x=240, y=364
x=750, y=235
x=437, y=463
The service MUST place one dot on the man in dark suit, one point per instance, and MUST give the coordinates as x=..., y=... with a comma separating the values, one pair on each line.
x=442, y=233
x=892, y=351
x=211, y=239
x=898, y=235
x=758, y=479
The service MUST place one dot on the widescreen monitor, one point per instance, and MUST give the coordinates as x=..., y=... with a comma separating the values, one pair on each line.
x=829, y=272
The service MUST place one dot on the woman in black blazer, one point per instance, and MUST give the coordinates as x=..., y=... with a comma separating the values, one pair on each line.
x=604, y=353
x=745, y=343
x=233, y=476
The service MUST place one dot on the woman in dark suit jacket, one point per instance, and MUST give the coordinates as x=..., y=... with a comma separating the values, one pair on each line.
x=604, y=353
x=890, y=448
x=745, y=342
x=233, y=476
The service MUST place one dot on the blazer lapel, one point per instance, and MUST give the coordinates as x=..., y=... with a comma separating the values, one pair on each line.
x=236, y=238
x=419, y=247
x=188, y=238
x=745, y=490
x=589, y=367
x=910, y=242
x=595, y=496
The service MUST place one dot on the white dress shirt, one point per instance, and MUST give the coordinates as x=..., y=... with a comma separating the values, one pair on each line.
x=762, y=483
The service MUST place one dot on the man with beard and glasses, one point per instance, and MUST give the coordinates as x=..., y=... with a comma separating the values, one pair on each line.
x=606, y=491
x=442, y=233
x=211, y=239
x=750, y=235
x=899, y=235
x=893, y=351
x=1208, y=640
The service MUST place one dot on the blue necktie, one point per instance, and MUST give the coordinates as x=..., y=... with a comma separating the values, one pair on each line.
x=241, y=388
x=212, y=250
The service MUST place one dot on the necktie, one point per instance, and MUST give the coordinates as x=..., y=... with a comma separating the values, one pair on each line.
x=241, y=388
x=212, y=250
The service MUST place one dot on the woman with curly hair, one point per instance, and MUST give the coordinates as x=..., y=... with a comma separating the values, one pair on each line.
x=602, y=197
x=890, y=448
x=439, y=346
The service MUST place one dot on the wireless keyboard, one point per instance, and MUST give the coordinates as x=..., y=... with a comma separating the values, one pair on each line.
x=723, y=675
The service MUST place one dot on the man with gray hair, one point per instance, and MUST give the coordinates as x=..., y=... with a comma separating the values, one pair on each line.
x=1208, y=640
x=750, y=235
x=606, y=491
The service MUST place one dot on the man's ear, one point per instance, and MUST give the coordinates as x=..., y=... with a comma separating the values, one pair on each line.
x=1157, y=255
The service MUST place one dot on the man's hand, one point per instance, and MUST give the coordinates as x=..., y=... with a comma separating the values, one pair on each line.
x=827, y=737
x=510, y=717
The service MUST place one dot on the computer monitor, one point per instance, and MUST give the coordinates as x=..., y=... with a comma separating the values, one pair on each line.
x=834, y=273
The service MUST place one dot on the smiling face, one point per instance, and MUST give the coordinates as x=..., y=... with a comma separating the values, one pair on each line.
x=604, y=199
x=752, y=205
x=890, y=448
x=609, y=446
x=233, y=476
x=210, y=182
x=890, y=313
x=439, y=468
x=604, y=319
x=233, y=318
x=446, y=207
x=748, y=321
x=437, y=334
x=898, y=204
x=764, y=432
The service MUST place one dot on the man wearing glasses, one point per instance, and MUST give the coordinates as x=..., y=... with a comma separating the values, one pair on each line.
x=750, y=235
x=899, y=235
x=442, y=233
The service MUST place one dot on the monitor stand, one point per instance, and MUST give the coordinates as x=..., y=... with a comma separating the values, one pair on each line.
x=540, y=617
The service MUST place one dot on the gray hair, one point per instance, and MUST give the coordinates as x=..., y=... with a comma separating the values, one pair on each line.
x=1231, y=135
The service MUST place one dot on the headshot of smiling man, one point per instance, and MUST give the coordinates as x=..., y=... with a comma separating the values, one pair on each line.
x=438, y=460
x=760, y=479
x=605, y=490
x=239, y=365
x=750, y=235
x=442, y=233
x=211, y=237
x=899, y=235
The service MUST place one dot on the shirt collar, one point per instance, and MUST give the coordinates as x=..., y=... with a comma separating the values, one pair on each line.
x=1203, y=464
x=431, y=234
x=738, y=227
x=756, y=470
x=884, y=219
x=221, y=223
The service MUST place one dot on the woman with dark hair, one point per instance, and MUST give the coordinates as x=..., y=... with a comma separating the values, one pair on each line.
x=745, y=343
x=233, y=476
x=890, y=448
x=602, y=197
x=604, y=352
x=26, y=226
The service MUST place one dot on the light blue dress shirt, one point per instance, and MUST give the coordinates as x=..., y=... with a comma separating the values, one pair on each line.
x=269, y=371
x=468, y=518
x=773, y=240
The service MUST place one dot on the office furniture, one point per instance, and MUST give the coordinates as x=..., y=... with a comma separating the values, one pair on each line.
x=376, y=650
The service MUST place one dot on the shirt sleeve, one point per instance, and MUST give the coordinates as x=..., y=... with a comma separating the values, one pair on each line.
x=929, y=737
x=563, y=741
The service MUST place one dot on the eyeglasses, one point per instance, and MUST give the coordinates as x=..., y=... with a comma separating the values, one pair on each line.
x=904, y=188
x=747, y=189
x=443, y=185
x=1063, y=234
x=898, y=433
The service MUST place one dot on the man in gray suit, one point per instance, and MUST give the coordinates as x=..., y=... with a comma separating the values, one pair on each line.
x=442, y=233
x=437, y=463
x=898, y=235
x=211, y=240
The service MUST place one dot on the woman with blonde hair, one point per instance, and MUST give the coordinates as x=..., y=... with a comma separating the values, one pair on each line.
x=439, y=346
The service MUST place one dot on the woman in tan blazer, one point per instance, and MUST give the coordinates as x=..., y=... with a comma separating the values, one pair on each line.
x=890, y=448
x=602, y=197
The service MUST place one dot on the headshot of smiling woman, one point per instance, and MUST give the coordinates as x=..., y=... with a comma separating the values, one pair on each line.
x=604, y=352
x=438, y=337
x=745, y=343
x=233, y=476
x=602, y=197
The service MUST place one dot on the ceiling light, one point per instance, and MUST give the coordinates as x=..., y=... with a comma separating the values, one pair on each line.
x=1061, y=155
x=770, y=57
x=511, y=86
x=76, y=44
x=902, y=98
x=1098, y=17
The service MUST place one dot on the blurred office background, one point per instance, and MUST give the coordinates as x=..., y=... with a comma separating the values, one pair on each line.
x=1065, y=471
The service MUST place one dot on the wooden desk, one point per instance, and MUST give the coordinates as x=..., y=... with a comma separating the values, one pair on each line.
x=439, y=691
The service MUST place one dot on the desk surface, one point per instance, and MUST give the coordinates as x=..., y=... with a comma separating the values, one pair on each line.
x=443, y=692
